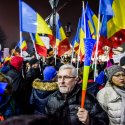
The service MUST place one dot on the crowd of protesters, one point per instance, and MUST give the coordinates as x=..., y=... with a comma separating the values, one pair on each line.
x=37, y=92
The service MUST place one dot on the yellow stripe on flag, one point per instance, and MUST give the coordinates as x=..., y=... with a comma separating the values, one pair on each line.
x=39, y=41
x=118, y=20
x=85, y=77
x=42, y=26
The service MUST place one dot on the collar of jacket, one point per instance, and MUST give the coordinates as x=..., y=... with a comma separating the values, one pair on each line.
x=110, y=91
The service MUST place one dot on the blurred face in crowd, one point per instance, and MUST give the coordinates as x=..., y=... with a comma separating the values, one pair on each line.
x=66, y=81
x=118, y=79
x=36, y=65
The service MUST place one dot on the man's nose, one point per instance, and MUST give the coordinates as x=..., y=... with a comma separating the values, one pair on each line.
x=62, y=80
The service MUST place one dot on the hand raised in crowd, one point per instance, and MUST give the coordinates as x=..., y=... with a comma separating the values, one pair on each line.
x=83, y=116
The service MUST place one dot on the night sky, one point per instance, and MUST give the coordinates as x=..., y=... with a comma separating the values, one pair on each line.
x=9, y=15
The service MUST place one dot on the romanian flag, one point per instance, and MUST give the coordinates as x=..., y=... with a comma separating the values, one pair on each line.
x=31, y=21
x=22, y=45
x=75, y=41
x=114, y=24
x=89, y=44
x=61, y=40
x=92, y=21
x=39, y=44
x=82, y=36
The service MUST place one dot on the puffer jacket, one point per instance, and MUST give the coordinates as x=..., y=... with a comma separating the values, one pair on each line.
x=65, y=109
x=111, y=103
x=40, y=93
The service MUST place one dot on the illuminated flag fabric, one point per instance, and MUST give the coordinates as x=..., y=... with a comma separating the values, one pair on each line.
x=75, y=41
x=82, y=36
x=39, y=44
x=31, y=21
x=92, y=21
x=106, y=7
x=117, y=22
x=89, y=44
x=52, y=40
x=112, y=31
x=22, y=45
x=61, y=40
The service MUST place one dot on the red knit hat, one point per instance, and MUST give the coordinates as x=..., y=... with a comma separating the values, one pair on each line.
x=16, y=62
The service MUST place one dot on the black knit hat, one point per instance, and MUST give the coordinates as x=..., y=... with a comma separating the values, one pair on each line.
x=122, y=61
x=112, y=70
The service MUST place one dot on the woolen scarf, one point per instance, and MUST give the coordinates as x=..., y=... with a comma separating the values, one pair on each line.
x=121, y=92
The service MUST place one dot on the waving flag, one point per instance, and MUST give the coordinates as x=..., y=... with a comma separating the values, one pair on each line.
x=92, y=21
x=76, y=40
x=106, y=7
x=39, y=44
x=112, y=32
x=22, y=45
x=82, y=36
x=61, y=40
x=31, y=21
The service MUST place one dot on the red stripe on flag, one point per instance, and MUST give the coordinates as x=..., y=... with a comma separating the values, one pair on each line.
x=63, y=47
x=83, y=98
x=41, y=50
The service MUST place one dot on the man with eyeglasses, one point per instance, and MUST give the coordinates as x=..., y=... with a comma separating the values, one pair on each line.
x=64, y=104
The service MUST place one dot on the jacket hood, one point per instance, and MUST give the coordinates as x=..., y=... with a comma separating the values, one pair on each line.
x=44, y=86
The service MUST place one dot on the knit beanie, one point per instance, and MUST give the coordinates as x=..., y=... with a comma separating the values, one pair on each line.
x=112, y=70
x=49, y=73
x=122, y=61
x=16, y=62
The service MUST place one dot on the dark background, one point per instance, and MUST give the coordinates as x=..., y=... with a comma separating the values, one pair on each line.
x=9, y=16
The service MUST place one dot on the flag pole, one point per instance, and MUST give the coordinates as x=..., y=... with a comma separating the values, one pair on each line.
x=35, y=50
x=97, y=42
x=72, y=54
x=20, y=18
x=34, y=46
x=54, y=26
x=83, y=80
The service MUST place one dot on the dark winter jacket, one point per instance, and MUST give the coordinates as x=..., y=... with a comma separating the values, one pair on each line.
x=17, y=80
x=40, y=93
x=65, y=109
x=8, y=107
x=17, y=86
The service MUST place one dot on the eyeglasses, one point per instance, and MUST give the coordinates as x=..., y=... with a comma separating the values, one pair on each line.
x=119, y=75
x=65, y=78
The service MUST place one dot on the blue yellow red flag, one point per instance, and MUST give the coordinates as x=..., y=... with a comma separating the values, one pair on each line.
x=92, y=21
x=106, y=7
x=31, y=21
x=89, y=45
x=61, y=40
x=39, y=44
x=22, y=45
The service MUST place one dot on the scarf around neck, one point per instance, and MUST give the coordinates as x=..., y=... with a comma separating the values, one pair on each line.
x=121, y=92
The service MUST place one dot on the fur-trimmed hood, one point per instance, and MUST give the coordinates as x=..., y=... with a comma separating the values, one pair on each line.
x=44, y=86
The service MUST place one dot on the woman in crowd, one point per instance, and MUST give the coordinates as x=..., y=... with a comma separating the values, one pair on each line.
x=112, y=96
